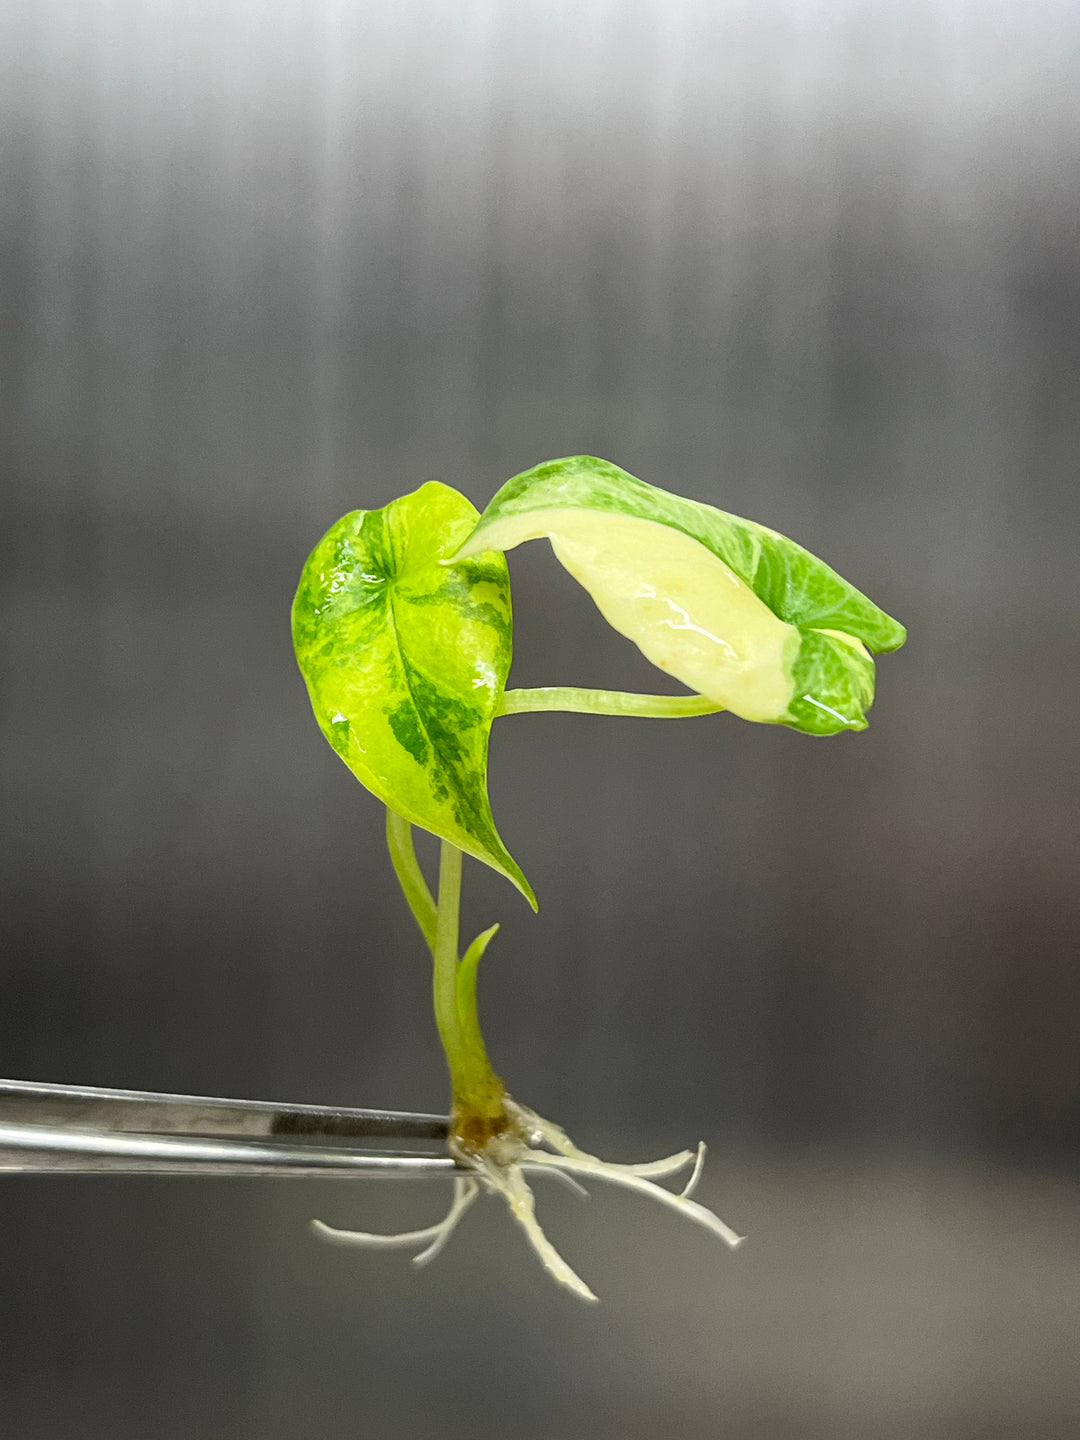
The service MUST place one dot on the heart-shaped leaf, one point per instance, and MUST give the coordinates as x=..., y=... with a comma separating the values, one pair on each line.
x=735, y=611
x=405, y=660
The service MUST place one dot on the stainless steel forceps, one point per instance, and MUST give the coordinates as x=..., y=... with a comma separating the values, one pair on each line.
x=80, y=1129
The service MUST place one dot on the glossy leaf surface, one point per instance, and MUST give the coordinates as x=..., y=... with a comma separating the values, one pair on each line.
x=734, y=610
x=405, y=661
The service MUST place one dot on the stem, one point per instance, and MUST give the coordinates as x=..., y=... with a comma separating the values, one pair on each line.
x=605, y=702
x=478, y=1091
x=446, y=949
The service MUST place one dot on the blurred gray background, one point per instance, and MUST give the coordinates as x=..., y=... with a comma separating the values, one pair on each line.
x=817, y=263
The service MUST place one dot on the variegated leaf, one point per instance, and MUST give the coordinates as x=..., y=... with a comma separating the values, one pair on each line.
x=405, y=660
x=734, y=610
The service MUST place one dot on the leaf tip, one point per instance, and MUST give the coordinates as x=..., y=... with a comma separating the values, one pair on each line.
x=517, y=876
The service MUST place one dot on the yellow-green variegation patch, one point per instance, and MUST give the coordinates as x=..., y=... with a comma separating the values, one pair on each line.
x=405, y=660
x=735, y=611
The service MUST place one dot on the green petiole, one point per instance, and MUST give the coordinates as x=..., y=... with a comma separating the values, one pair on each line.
x=414, y=887
x=605, y=702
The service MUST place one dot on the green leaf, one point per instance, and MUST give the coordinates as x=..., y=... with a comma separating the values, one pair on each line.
x=735, y=611
x=405, y=660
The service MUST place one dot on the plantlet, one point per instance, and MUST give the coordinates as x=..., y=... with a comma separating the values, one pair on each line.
x=402, y=629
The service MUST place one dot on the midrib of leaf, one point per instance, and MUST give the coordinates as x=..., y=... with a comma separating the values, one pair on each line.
x=446, y=769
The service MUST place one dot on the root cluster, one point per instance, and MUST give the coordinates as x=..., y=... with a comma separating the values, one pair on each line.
x=532, y=1144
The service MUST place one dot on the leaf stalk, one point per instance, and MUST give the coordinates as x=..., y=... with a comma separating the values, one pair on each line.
x=605, y=702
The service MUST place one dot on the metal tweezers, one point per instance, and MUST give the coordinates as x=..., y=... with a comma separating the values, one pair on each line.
x=80, y=1129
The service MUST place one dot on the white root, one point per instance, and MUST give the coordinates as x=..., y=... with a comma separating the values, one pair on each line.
x=501, y=1169
x=465, y=1192
x=619, y=1176
x=567, y=1181
x=436, y=1236
x=544, y=1132
x=510, y=1182
x=699, y=1166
